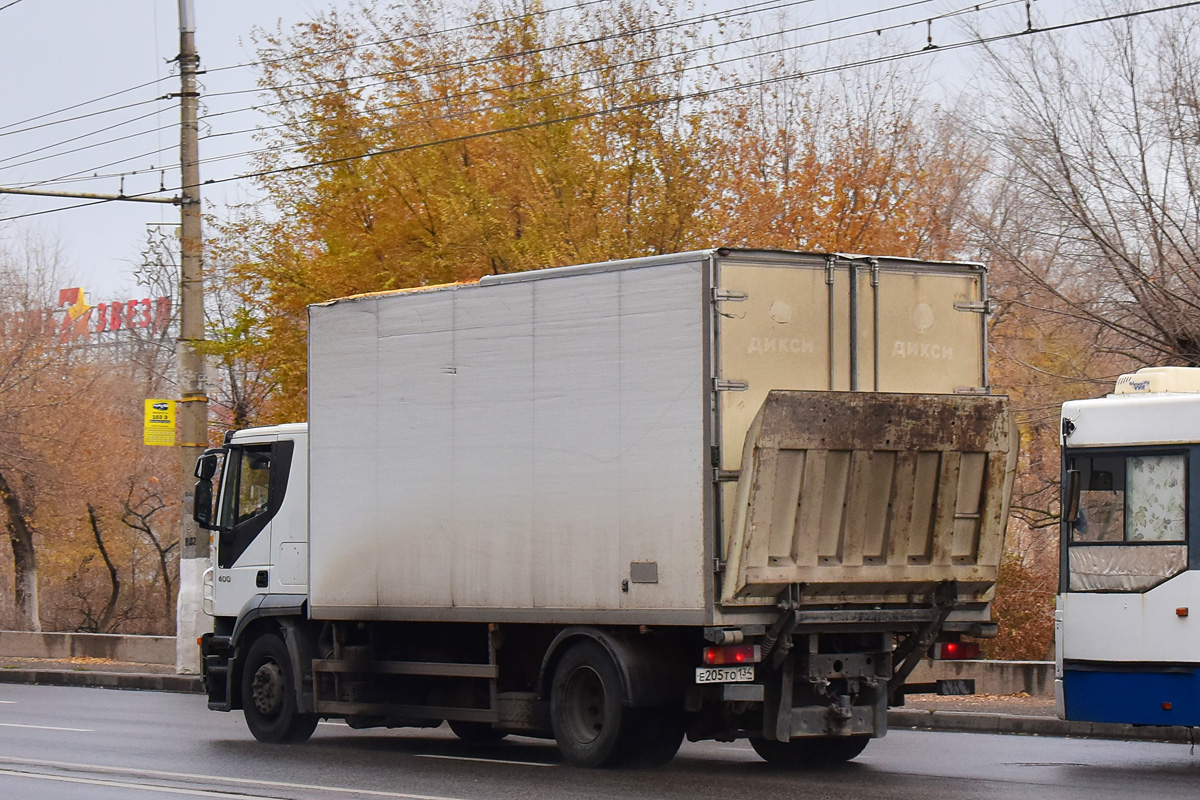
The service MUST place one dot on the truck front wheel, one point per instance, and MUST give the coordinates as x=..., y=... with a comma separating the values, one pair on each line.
x=809, y=752
x=587, y=709
x=269, y=694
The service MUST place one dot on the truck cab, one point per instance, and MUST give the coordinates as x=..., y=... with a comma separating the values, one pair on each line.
x=257, y=507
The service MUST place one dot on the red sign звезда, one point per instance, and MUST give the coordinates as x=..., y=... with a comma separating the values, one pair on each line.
x=74, y=318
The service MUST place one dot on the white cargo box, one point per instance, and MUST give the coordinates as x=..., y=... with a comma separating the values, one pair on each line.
x=564, y=445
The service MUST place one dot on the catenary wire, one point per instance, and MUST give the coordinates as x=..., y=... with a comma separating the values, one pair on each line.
x=665, y=100
x=283, y=147
x=710, y=92
x=719, y=45
x=96, y=132
x=4, y=129
x=641, y=61
x=453, y=65
x=713, y=16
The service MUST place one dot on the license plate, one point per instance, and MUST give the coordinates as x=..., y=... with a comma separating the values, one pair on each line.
x=724, y=674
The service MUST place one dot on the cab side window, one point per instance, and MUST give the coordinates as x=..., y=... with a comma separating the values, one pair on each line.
x=252, y=491
x=254, y=486
x=247, y=484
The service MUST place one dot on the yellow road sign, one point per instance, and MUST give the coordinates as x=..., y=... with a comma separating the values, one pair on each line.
x=159, y=425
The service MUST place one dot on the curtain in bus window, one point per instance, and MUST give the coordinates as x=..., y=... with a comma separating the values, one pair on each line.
x=1119, y=568
x=1155, y=501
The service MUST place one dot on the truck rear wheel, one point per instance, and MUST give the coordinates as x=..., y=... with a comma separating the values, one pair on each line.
x=269, y=694
x=810, y=752
x=587, y=709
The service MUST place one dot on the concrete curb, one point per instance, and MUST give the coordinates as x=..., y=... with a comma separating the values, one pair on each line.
x=971, y=722
x=189, y=684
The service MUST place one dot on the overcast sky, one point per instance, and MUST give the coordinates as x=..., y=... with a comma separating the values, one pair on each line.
x=55, y=54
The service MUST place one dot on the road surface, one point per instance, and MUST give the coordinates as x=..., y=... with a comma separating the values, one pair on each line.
x=63, y=742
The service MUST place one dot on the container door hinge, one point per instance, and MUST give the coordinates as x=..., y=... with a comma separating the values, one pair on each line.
x=722, y=385
x=726, y=475
x=729, y=295
x=984, y=307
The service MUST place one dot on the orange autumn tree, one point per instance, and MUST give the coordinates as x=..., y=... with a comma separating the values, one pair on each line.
x=90, y=515
x=513, y=137
x=842, y=165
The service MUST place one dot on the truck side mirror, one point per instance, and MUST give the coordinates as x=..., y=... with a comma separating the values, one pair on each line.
x=206, y=466
x=202, y=503
x=1071, y=497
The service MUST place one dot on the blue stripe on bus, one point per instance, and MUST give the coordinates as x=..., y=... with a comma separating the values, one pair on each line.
x=1135, y=698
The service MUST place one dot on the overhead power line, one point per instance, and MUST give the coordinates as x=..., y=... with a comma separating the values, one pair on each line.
x=96, y=132
x=716, y=16
x=634, y=63
x=441, y=68
x=81, y=116
x=681, y=97
x=756, y=7
x=708, y=92
x=4, y=128
x=424, y=34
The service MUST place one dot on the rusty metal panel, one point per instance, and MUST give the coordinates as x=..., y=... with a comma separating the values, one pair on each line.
x=871, y=497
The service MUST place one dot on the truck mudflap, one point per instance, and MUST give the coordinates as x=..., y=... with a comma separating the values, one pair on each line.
x=876, y=498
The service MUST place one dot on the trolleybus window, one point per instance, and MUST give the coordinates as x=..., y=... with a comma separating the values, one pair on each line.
x=1129, y=529
x=1130, y=499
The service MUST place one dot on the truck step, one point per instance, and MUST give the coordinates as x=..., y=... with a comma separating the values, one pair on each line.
x=406, y=711
x=439, y=669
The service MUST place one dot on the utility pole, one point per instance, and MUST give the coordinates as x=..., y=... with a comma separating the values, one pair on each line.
x=193, y=406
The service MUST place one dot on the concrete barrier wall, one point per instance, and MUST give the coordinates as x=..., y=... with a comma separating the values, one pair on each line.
x=992, y=677
x=115, y=647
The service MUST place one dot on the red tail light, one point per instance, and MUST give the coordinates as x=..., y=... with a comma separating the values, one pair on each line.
x=733, y=654
x=954, y=651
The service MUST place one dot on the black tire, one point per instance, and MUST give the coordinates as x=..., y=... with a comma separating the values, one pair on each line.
x=476, y=732
x=269, y=694
x=810, y=752
x=655, y=736
x=587, y=710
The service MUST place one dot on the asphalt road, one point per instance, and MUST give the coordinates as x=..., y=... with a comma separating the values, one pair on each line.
x=63, y=742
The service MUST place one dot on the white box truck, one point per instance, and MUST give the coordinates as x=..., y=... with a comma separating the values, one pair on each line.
x=720, y=494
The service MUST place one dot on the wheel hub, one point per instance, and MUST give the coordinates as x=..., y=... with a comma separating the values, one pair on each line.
x=266, y=689
x=585, y=705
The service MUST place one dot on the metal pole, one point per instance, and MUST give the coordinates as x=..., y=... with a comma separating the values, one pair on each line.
x=92, y=196
x=193, y=405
